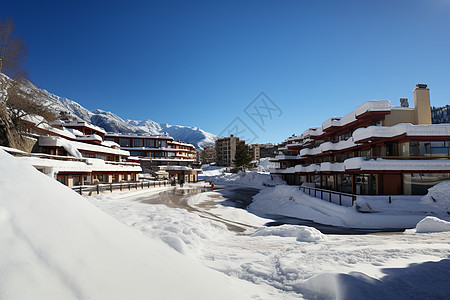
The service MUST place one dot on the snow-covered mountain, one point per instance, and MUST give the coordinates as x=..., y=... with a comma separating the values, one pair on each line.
x=440, y=114
x=110, y=121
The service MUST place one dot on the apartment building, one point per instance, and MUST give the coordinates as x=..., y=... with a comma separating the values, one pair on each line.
x=156, y=153
x=208, y=154
x=254, y=151
x=377, y=149
x=74, y=153
x=226, y=150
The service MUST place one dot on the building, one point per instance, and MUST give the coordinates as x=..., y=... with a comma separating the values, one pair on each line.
x=209, y=154
x=377, y=149
x=226, y=150
x=254, y=151
x=75, y=153
x=156, y=153
x=268, y=150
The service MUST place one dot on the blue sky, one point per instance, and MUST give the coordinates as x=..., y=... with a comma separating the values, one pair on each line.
x=200, y=63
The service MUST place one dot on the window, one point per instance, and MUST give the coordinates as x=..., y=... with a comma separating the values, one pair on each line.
x=150, y=143
x=124, y=142
x=101, y=156
x=138, y=142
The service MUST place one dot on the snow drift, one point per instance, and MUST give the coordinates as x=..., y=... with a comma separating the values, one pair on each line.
x=57, y=245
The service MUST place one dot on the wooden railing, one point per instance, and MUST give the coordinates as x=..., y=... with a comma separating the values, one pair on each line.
x=110, y=187
x=330, y=196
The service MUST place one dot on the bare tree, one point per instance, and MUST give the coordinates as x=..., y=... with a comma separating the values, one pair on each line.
x=13, y=50
x=21, y=104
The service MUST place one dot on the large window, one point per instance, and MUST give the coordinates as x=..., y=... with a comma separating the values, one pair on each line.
x=365, y=184
x=344, y=183
x=124, y=142
x=138, y=142
x=419, y=183
x=149, y=143
x=438, y=148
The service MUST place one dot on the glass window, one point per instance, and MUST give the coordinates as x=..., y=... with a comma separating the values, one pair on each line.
x=439, y=151
x=124, y=142
x=138, y=142
x=101, y=156
x=437, y=144
x=421, y=182
x=150, y=143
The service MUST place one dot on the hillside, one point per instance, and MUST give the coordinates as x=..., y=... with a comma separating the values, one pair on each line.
x=110, y=121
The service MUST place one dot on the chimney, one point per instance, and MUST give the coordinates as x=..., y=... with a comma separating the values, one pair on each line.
x=422, y=106
x=404, y=102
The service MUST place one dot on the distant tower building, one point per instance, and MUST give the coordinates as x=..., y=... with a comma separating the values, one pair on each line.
x=209, y=154
x=226, y=150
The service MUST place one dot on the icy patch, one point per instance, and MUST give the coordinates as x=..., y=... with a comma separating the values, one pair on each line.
x=301, y=233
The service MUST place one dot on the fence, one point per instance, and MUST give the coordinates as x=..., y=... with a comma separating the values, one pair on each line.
x=105, y=187
x=343, y=199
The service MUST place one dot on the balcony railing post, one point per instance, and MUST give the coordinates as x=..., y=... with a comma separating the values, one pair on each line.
x=340, y=199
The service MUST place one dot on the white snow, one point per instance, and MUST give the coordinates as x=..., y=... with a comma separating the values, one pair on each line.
x=401, y=129
x=56, y=245
x=244, y=178
x=61, y=142
x=315, y=266
x=265, y=164
x=430, y=224
x=301, y=233
x=290, y=201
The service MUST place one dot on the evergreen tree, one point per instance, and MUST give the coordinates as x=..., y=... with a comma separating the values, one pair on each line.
x=242, y=159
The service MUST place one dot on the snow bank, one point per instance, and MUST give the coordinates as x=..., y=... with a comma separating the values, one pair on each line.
x=290, y=201
x=438, y=197
x=211, y=171
x=254, y=179
x=265, y=164
x=57, y=245
x=430, y=224
x=301, y=233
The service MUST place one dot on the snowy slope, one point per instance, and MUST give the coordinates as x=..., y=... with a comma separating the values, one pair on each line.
x=56, y=245
x=112, y=122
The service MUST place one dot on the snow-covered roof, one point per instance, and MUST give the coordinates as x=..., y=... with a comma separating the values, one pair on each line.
x=73, y=147
x=82, y=124
x=178, y=168
x=182, y=144
x=434, y=130
x=140, y=135
x=92, y=137
x=328, y=146
x=359, y=163
x=313, y=131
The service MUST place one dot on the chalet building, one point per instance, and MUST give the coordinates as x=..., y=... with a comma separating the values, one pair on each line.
x=65, y=152
x=226, y=150
x=377, y=149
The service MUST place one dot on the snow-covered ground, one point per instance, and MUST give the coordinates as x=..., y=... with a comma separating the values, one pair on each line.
x=56, y=245
x=297, y=260
x=254, y=179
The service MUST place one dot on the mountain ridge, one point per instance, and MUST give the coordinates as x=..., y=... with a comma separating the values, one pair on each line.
x=110, y=121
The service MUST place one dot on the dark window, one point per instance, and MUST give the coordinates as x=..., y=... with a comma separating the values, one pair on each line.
x=124, y=142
